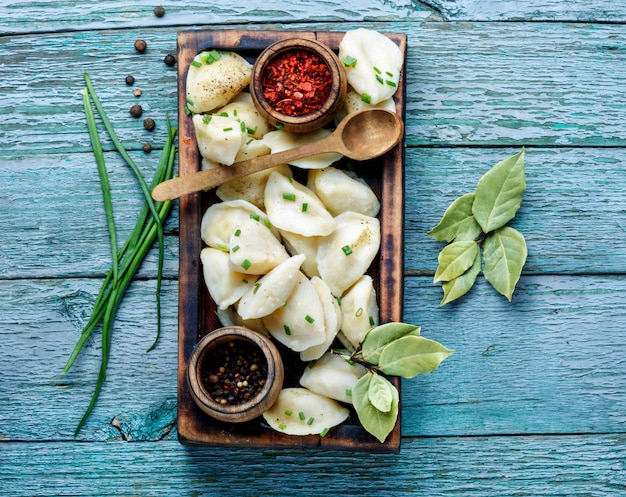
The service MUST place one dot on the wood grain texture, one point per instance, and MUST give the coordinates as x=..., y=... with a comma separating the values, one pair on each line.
x=586, y=466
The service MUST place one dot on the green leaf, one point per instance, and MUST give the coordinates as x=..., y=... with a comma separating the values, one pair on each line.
x=378, y=337
x=504, y=252
x=374, y=421
x=457, y=222
x=409, y=356
x=380, y=393
x=455, y=259
x=499, y=193
x=460, y=285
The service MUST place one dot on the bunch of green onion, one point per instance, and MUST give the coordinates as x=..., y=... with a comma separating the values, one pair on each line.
x=128, y=258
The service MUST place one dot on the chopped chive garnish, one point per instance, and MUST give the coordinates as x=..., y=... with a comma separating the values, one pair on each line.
x=256, y=288
x=312, y=364
x=346, y=249
x=246, y=264
x=389, y=74
x=222, y=247
x=287, y=330
x=213, y=56
x=305, y=206
x=245, y=281
x=359, y=312
x=206, y=119
x=391, y=83
x=267, y=223
x=348, y=392
x=235, y=248
x=256, y=217
x=187, y=111
x=252, y=131
x=279, y=126
x=379, y=79
x=324, y=432
x=282, y=426
x=235, y=112
x=372, y=322
x=366, y=98
x=288, y=412
x=223, y=114
x=310, y=421
x=189, y=101
x=309, y=319
x=250, y=140
x=349, y=61
x=289, y=196
x=243, y=127
x=228, y=129
x=237, y=232
x=196, y=63
x=301, y=416
x=338, y=301
x=377, y=70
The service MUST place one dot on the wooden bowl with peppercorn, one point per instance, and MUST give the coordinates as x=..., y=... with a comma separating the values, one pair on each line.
x=298, y=84
x=235, y=374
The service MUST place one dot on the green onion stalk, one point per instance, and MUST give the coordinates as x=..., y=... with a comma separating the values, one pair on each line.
x=128, y=259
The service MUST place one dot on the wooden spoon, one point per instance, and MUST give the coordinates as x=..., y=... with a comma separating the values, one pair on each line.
x=361, y=135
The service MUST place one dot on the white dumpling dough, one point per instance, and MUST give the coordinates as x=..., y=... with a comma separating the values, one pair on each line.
x=345, y=255
x=278, y=141
x=254, y=249
x=307, y=245
x=251, y=187
x=299, y=411
x=359, y=310
x=333, y=377
x=219, y=138
x=293, y=207
x=340, y=193
x=243, y=109
x=353, y=102
x=210, y=86
x=378, y=63
x=230, y=317
x=221, y=220
x=299, y=324
x=272, y=290
x=224, y=285
x=332, y=320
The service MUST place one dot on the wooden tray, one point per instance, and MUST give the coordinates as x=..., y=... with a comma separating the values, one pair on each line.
x=196, y=310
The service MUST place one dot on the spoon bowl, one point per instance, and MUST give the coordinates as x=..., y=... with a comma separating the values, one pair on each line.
x=362, y=135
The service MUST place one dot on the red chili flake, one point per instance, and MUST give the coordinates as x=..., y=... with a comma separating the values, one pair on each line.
x=296, y=82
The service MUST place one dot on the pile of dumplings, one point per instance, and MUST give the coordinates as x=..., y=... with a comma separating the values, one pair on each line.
x=289, y=258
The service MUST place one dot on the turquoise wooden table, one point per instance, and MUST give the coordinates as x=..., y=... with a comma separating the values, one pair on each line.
x=533, y=402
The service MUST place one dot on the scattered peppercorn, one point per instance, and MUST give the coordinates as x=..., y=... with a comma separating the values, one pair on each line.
x=137, y=92
x=148, y=124
x=159, y=11
x=169, y=60
x=130, y=80
x=136, y=110
x=147, y=148
x=140, y=46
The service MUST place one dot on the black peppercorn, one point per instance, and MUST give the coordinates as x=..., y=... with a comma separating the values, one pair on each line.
x=159, y=11
x=140, y=46
x=130, y=80
x=147, y=148
x=136, y=110
x=148, y=124
x=169, y=60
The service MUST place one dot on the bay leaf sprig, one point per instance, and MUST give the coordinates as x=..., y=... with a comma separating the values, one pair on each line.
x=479, y=220
x=391, y=349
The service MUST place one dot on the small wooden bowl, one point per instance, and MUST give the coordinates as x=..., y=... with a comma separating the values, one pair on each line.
x=315, y=119
x=252, y=408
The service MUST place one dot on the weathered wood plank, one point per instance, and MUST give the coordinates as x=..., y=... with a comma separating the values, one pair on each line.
x=572, y=214
x=467, y=84
x=549, y=362
x=576, y=466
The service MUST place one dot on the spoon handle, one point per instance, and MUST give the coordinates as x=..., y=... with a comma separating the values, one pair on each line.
x=205, y=180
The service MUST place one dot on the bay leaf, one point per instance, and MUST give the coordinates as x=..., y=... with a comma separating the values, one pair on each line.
x=374, y=421
x=458, y=221
x=455, y=258
x=410, y=355
x=460, y=285
x=377, y=338
x=380, y=393
x=499, y=193
x=504, y=253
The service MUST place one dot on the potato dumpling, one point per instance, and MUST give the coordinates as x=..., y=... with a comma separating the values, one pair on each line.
x=359, y=310
x=332, y=376
x=214, y=79
x=278, y=141
x=307, y=245
x=254, y=249
x=299, y=411
x=346, y=254
x=293, y=207
x=340, y=192
x=230, y=317
x=224, y=285
x=251, y=187
x=243, y=109
x=299, y=324
x=353, y=102
x=373, y=63
x=219, y=138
